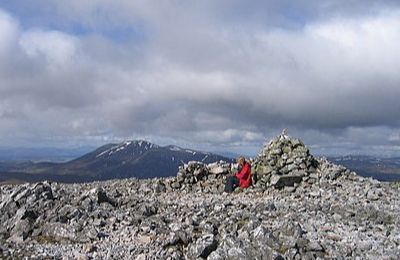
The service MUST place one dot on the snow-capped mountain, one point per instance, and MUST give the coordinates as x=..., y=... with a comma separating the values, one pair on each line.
x=138, y=158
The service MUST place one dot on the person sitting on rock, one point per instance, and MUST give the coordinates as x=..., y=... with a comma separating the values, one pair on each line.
x=242, y=178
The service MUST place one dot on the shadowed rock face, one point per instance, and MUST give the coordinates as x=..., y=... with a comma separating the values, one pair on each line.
x=328, y=212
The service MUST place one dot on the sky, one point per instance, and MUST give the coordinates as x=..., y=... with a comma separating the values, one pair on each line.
x=209, y=75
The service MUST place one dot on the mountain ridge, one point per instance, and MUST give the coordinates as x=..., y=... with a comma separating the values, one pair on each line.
x=131, y=158
x=380, y=168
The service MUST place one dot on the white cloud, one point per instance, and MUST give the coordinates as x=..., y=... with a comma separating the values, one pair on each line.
x=57, y=48
x=394, y=137
x=8, y=32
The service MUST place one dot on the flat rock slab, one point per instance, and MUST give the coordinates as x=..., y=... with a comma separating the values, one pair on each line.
x=281, y=181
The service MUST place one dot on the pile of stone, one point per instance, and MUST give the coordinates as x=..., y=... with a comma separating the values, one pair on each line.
x=199, y=177
x=284, y=161
x=328, y=171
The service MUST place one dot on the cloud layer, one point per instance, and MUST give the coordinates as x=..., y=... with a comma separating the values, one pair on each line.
x=216, y=76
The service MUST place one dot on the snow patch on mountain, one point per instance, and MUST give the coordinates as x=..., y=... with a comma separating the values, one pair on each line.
x=143, y=145
x=205, y=157
x=175, y=148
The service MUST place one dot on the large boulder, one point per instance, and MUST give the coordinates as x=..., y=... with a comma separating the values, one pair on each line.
x=281, y=181
x=203, y=247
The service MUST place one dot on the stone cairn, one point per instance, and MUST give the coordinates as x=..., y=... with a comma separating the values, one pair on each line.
x=284, y=161
x=201, y=177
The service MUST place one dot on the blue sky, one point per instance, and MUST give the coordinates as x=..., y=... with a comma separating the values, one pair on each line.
x=211, y=75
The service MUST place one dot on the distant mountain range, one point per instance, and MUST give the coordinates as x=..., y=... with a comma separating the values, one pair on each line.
x=42, y=154
x=143, y=159
x=383, y=169
x=140, y=159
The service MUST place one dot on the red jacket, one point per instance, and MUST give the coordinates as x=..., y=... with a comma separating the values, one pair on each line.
x=244, y=175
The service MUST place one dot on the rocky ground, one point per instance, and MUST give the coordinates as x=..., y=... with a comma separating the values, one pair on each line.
x=328, y=212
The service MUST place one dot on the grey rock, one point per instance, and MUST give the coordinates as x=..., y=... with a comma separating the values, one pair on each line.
x=285, y=180
x=314, y=246
x=159, y=187
x=103, y=198
x=265, y=238
x=176, y=185
x=21, y=231
x=58, y=232
x=203, y=247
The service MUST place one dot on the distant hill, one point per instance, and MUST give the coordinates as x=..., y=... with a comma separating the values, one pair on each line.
x=140, y=159
x=42, y=154
x=383, y=169
x=143, y=159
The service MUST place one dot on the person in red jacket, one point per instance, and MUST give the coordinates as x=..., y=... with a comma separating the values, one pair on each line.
x=242, y=178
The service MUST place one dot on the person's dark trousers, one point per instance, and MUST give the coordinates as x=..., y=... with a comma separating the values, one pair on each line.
x=231, y=183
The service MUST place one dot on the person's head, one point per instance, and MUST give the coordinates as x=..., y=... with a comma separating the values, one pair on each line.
x=240, y=160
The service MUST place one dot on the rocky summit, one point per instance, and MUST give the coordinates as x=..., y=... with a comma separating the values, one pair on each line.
x=299, y=207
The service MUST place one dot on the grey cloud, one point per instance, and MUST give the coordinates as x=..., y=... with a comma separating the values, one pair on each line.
x=209, y=73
